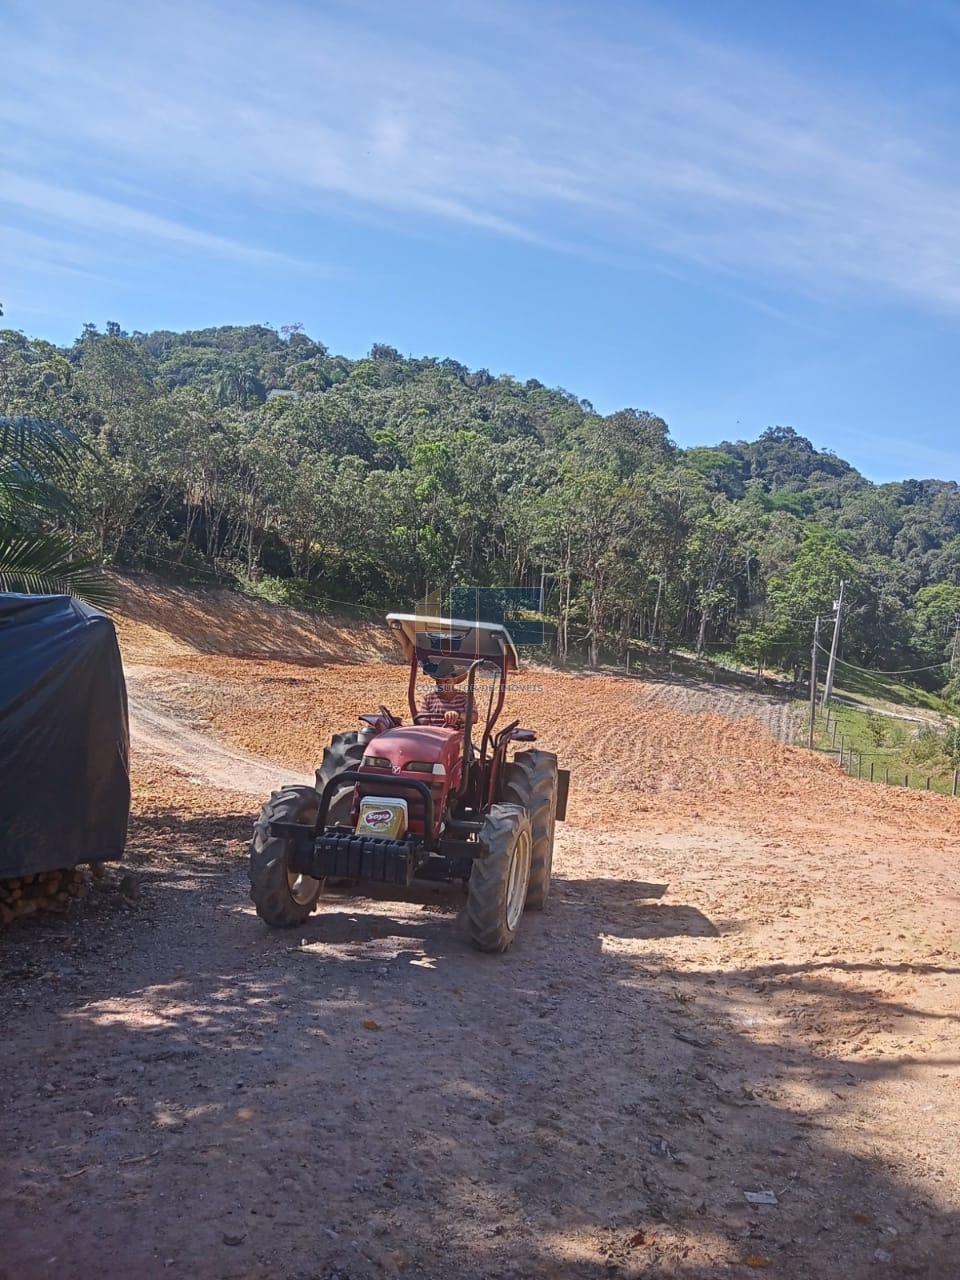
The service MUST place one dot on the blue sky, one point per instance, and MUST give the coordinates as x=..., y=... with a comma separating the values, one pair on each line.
x=733, y=215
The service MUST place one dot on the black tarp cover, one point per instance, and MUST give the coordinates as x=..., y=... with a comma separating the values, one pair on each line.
x=64, y=740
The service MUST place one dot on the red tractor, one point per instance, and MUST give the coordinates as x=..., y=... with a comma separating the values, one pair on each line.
x=395, y=803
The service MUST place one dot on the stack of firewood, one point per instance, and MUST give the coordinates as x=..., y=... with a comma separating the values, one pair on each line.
x=45, y=891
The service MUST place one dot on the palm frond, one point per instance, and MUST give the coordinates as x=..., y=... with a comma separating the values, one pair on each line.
x=43, y=564
x=24, y=491
x=36, y=443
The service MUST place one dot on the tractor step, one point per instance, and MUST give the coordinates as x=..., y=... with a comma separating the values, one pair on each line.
x=344, y=855
x=563, y=792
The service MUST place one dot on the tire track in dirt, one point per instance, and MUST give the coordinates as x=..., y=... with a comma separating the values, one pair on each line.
x=200, y=757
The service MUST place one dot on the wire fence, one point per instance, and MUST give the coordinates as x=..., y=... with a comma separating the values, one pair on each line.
x=886, y=766
x=873, y=767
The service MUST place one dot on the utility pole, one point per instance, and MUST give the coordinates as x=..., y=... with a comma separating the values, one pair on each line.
x=828, y=683
x=813, y=677
x=955, y=652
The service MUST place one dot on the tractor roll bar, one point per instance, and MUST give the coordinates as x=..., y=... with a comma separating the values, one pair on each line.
x=501, y=694
x=412, y=685
x=493, y=712
x=468, y=726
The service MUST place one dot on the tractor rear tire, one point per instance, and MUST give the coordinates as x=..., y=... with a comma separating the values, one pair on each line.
x=530, y=780
x=497, y=889
x=344, y=752
x=281, y=896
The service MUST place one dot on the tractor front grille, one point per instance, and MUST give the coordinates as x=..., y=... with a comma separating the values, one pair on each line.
x=389, y=787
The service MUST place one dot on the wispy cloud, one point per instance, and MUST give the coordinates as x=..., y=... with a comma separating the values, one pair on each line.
x=79, y=210
x=514, y=122
x=57, y=257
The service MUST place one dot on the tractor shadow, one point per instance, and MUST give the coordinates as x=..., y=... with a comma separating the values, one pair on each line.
x=632, y=908
x=350, y=917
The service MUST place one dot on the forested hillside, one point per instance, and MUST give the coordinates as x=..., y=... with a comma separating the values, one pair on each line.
x=248, y=453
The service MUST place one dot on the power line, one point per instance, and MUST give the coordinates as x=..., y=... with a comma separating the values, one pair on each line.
x=902, y=671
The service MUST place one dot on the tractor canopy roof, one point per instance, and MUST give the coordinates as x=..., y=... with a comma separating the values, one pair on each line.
x=456, y=639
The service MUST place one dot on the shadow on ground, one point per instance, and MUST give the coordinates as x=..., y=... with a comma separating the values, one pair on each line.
x=366, y=1096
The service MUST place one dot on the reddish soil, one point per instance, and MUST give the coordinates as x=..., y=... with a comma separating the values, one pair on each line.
x=747, y=980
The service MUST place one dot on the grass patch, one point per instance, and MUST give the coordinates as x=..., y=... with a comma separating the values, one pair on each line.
x=892, y=749
x=875, y=689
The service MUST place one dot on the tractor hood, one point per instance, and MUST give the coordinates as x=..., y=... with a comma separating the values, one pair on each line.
x=424, y=743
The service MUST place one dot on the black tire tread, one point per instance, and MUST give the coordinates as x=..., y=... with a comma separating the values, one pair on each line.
x=269, y=888
x=487, y=887
x=530, y=780
x=344, y=752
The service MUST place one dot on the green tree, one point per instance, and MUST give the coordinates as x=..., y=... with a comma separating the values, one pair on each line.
x=810, y=587
x=239, y=383
x=936, y=619
x=376, y=478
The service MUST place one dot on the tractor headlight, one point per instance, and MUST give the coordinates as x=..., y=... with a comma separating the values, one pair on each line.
x=424, y=766
x=375, y=762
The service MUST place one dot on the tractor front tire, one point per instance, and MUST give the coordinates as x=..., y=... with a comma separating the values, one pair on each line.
x=530, y=780
x=497, y=889
x=281, y=896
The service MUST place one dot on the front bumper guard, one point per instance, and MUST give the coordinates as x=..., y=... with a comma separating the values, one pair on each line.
x=340, y=853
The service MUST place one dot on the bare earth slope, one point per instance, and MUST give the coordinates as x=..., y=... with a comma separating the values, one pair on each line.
x=748, y=980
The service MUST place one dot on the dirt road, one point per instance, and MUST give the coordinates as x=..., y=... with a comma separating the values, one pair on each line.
x=198, y=757
x=747, y=981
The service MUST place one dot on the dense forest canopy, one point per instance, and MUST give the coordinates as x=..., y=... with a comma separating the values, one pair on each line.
x=249, y=453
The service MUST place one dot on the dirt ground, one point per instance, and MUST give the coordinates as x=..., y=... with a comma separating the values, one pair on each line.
x=747, y=981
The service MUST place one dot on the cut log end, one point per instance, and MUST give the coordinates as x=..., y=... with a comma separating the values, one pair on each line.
x=53, y=891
